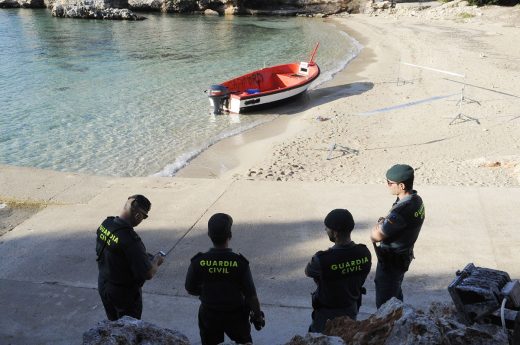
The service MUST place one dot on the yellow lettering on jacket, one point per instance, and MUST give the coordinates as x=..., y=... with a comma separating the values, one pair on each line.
x=217, y=270
x=219, y=263
x=349, y=266
x=106, y=236
x=420, y=212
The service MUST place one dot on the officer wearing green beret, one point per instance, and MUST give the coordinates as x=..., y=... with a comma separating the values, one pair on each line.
x=339, y=272
x=223, y=281
x=396, y=233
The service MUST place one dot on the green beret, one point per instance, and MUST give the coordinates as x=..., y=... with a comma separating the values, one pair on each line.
x=399, y=173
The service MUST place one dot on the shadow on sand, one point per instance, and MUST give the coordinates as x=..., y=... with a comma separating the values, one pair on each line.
x=316, y=97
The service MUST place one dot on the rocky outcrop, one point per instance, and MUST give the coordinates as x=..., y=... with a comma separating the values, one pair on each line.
x=315, y=339
x=96, y=9
x=128, y=330
x=246, y=7
x=396, y=323
x=22, y=3
x=221, y=7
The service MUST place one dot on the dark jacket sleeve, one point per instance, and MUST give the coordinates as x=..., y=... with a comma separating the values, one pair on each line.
x=193, y=285
x=393, y=224
x=247, y=284
x=138, y=259
x=313, y=268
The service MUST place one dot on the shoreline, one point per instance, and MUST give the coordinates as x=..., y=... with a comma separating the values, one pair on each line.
x=395, y=103
x=229, y=157
x=364, y=110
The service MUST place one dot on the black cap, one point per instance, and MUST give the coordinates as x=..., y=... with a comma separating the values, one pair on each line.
x=142, y=202
x=219, y=226
x=340, y=220
x=399, y=173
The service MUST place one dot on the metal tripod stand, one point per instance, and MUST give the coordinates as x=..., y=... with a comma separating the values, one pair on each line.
x=461, y=117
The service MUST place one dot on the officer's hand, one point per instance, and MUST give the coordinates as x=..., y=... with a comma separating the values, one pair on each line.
x=257, y=320
x=159, y=259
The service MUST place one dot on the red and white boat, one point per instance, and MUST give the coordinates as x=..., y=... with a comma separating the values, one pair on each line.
x=265, y=86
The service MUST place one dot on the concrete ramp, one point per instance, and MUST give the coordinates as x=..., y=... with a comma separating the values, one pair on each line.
x=48, y=273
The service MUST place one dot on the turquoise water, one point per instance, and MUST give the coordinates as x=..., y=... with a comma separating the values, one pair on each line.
x=126, y=98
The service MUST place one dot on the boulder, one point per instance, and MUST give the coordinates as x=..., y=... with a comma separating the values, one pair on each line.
x=396, y=323
x=22, y=3
x=145, y=5
x=65, y=9
x=129, y=331
x=180, y=6
x=315, y=339
x=209, y=12
x=231, y=10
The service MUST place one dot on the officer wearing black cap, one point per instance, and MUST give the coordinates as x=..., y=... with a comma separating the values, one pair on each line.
x=339, y=272
x=123, y=262
x=396, y=234
x=223, y=281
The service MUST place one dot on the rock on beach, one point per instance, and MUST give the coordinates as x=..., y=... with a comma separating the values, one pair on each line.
x=397, y=323
x=84, y=11
x=128, y=330
x=22, y=3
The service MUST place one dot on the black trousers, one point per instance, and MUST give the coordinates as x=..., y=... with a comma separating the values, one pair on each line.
x=213, y=324
x=120, y=300
x=321, y=315
x=388, y=282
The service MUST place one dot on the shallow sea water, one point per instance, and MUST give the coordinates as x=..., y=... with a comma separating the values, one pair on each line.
x=127, y=98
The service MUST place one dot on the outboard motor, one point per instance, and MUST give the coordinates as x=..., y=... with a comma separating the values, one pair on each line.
x=218, y=96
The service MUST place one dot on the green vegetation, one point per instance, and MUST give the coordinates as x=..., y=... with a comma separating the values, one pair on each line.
x=493, y=2
x=466, y=15
x=26, y=203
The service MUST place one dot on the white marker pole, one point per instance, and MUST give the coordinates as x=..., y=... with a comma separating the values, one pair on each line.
x=435, y=70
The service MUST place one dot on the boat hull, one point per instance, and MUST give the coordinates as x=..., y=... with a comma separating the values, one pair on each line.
x=268, y=86
x=238, y=105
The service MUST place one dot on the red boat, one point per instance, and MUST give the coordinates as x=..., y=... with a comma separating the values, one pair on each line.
x=266, y=86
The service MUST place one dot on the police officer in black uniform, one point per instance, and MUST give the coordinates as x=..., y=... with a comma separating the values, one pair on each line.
x=339, y=272
x=123, y=262
x=397, y=233
x=222, y=280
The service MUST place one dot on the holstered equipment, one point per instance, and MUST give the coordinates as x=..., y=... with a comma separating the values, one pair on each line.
x=387, y=257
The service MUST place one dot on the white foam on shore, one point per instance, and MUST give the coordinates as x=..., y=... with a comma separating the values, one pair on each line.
x=184, y=159
x=329, y=75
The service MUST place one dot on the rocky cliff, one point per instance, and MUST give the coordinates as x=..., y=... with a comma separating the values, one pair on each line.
x=22, y=3
x=247, y=7
x=244, y=7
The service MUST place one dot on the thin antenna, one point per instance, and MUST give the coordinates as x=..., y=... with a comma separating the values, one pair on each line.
x=311, y=60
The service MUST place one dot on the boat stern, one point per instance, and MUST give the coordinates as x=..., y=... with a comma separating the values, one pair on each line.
x=218, y=96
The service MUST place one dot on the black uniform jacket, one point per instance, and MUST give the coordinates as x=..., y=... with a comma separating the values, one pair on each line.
x=403, y=224
x=123, y=260
x=222, y=279
x=340, y=273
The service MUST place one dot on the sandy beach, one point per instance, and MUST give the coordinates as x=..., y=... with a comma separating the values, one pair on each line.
x=381, y=110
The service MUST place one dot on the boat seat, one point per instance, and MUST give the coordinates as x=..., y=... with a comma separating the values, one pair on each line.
x=289, y=78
